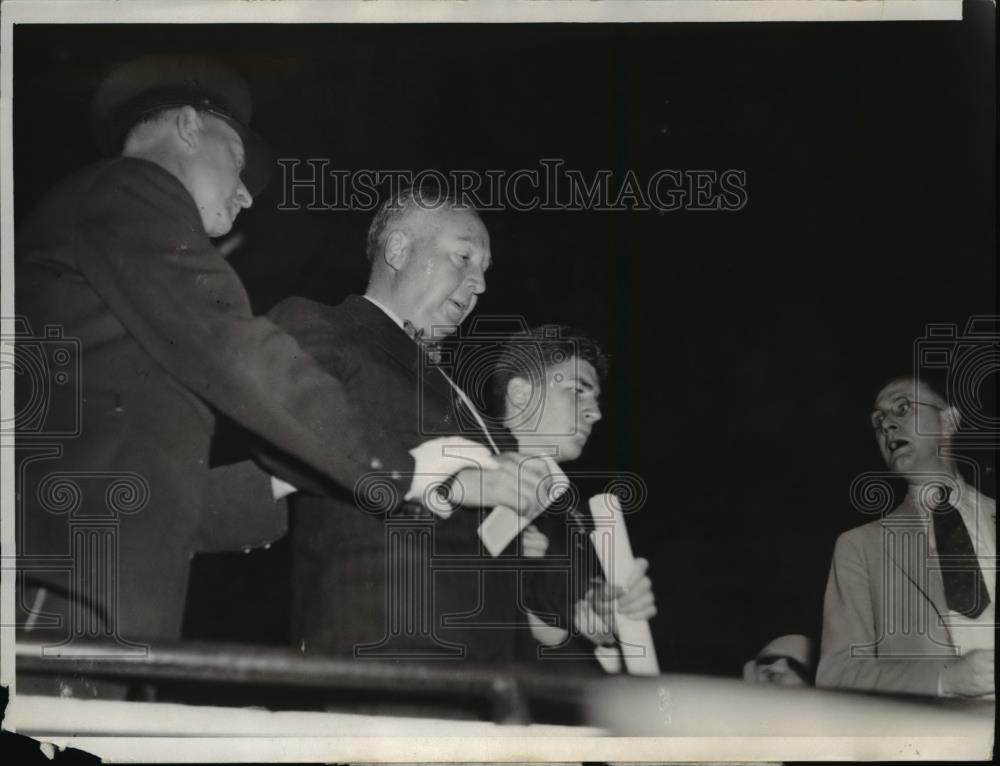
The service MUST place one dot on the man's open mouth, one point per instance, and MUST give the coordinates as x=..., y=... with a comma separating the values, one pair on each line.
x=460, y=305
x=895, y=444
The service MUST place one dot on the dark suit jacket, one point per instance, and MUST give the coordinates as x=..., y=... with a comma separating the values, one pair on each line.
x=883, y=613
x=360, y=578
x=116, y=260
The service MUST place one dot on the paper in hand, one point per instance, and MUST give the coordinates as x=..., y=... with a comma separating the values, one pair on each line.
x=611, y=542
x=504, y=524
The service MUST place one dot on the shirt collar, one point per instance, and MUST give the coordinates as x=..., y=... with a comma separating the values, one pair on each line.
x=386, y=310
x=961, y=496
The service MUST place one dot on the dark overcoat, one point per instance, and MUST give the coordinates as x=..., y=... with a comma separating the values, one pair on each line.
x=140, y=332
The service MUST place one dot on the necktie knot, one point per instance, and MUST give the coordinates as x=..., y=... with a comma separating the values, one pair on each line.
x=939, y=497
x=416, y=335
x=430, y=348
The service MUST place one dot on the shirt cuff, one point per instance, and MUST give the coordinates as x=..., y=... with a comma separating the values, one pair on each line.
x=280, y=489
x=438, y=460
x=546, y=635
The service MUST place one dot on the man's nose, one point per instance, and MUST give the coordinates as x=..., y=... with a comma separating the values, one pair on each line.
x=888, y=424
x=243, y=196
x=477, y=279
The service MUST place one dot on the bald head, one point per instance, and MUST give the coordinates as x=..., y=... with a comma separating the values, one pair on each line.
x=918, y=390
x=402, y=209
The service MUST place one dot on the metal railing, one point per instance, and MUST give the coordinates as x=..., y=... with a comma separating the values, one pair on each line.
x=506, y=690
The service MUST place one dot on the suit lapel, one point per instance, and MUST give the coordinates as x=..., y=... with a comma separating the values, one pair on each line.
x=398, y=346
x=376, y=325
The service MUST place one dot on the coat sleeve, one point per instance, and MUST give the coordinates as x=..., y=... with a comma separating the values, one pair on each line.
x=141, y=245
x=297, y=317
x=547, y=592
x=848, y=651
x=555, y=591
x=239, y=510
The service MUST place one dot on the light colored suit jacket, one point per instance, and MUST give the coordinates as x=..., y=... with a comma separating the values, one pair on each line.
x=884, y=613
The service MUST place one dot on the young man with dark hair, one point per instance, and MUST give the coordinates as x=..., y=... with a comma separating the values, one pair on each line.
x=546, y=388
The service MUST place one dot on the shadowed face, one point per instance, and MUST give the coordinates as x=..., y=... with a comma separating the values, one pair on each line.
x=212, y=176
x=785, y=661
x=912, y=423
x=780, y=671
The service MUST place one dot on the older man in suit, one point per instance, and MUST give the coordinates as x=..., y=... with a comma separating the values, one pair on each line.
x=115, y=478
x=415, y=584
x=910, y=600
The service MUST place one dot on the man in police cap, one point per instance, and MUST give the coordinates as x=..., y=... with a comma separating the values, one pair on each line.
x=119, y=256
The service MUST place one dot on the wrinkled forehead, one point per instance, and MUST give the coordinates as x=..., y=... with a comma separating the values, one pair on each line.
x=913, y=389
x=451, y=223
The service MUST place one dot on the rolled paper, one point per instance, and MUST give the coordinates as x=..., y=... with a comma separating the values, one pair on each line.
x=614, y=551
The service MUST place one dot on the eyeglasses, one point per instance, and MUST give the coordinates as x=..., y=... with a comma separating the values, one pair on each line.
x=900, y=408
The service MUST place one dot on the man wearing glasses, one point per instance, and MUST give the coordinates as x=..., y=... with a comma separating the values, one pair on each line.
x=910, y=599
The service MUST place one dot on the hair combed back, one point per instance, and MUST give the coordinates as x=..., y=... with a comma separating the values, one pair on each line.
x=151, y=127
x=399, y=205
x=935, y=384
x=148, y=127
x=528, y=355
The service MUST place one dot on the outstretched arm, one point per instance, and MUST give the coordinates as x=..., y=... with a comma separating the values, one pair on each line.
x=142, y=247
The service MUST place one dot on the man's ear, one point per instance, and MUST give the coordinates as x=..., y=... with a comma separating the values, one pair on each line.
x=518, y=392
x=396, y=250
x=950, y=420
x=188, y=125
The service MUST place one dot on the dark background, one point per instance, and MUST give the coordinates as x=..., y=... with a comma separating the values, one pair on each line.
x=747, y=346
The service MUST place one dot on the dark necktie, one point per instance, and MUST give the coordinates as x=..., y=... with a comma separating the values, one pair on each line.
x=964, y=587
